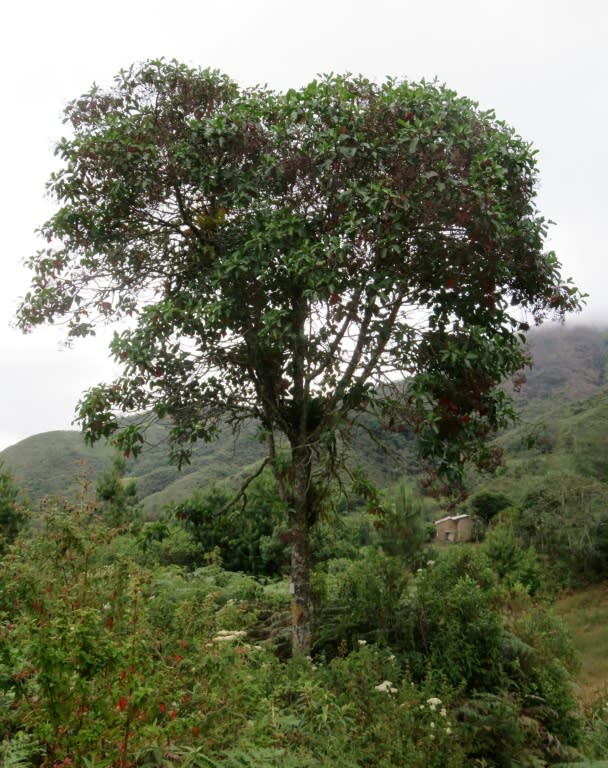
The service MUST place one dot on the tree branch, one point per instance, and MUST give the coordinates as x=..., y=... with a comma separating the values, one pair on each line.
x=241, y=492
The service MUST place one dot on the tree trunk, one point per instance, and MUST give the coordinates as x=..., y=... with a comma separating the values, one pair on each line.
x=300, y=553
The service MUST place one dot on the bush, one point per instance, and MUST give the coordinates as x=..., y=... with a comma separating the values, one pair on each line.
x=402, y=529
x=565, y=519
x=357, y=599
x=117, y=499
x=487, y=505
x=13, y=514
x=248, y=539
x=513, y=563
x=113, y=663
x=452, y=622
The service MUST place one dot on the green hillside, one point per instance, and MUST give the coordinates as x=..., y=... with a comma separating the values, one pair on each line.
x=568, y=442
x=59, y=463
x=569, y=363
x=569, y=367
x=55, y=463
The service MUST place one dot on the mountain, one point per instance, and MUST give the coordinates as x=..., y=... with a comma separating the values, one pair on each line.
x=565, y=445
x=59, y=463
x=570, y=366
x=55, y=463
x=569, y=363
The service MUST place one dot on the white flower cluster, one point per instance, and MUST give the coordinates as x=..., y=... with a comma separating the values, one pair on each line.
x=227, y=634
x=434, y=703
x=386, y=687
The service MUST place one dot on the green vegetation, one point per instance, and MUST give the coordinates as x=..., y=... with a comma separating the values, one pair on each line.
x=12, y=512
x=586, y=614
x=111, y=656
x=121, y=645
x=555, y=477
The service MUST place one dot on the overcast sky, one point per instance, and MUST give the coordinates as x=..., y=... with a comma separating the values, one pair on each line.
x=542, y=65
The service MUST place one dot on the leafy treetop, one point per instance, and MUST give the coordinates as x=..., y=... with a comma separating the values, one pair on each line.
x=291, y=256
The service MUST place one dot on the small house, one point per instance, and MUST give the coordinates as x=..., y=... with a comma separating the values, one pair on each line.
x=454, y=528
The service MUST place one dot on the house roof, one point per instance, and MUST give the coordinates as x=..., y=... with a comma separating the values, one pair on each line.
x=453, y=518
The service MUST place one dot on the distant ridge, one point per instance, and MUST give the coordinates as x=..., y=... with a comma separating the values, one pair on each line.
x=570, y=366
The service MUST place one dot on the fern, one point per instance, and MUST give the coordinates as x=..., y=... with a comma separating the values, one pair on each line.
x=592, y=764
x=263, y=757
x=18, y=752
x=252, y=757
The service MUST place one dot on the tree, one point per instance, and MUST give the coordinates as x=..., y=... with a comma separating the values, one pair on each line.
x=487, y=504
x=292, y=258
x=251, y=545
x=13, y=515
x=117, y=497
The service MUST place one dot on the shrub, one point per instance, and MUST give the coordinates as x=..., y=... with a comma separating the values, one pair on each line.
x=247, y=539
x=402, y=528
x=13, y=514
x=486, y=505
x=452, y=621
x=357, y=599
x=565, y=519
x=513, y=563
x=107, y=663
x=117, y=499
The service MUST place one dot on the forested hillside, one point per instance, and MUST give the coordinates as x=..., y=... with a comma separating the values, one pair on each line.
x=569, y=363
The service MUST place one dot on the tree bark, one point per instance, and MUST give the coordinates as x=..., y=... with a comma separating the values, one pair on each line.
x=300, y=553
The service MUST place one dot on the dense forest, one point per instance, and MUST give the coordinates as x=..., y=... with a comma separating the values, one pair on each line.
x=144, y=619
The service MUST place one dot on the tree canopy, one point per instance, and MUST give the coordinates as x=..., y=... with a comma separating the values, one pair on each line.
x=296, y=258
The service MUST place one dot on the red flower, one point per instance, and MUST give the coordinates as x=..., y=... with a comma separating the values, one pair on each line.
x=162, y=707
x=123, y=703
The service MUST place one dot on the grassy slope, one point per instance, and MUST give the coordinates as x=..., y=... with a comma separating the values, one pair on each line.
x=53, y=462
x=568, y=442
x=569, y=363
x=586, y=614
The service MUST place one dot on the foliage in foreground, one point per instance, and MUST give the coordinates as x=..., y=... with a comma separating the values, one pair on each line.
x=107, y=662
x=13, y=513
